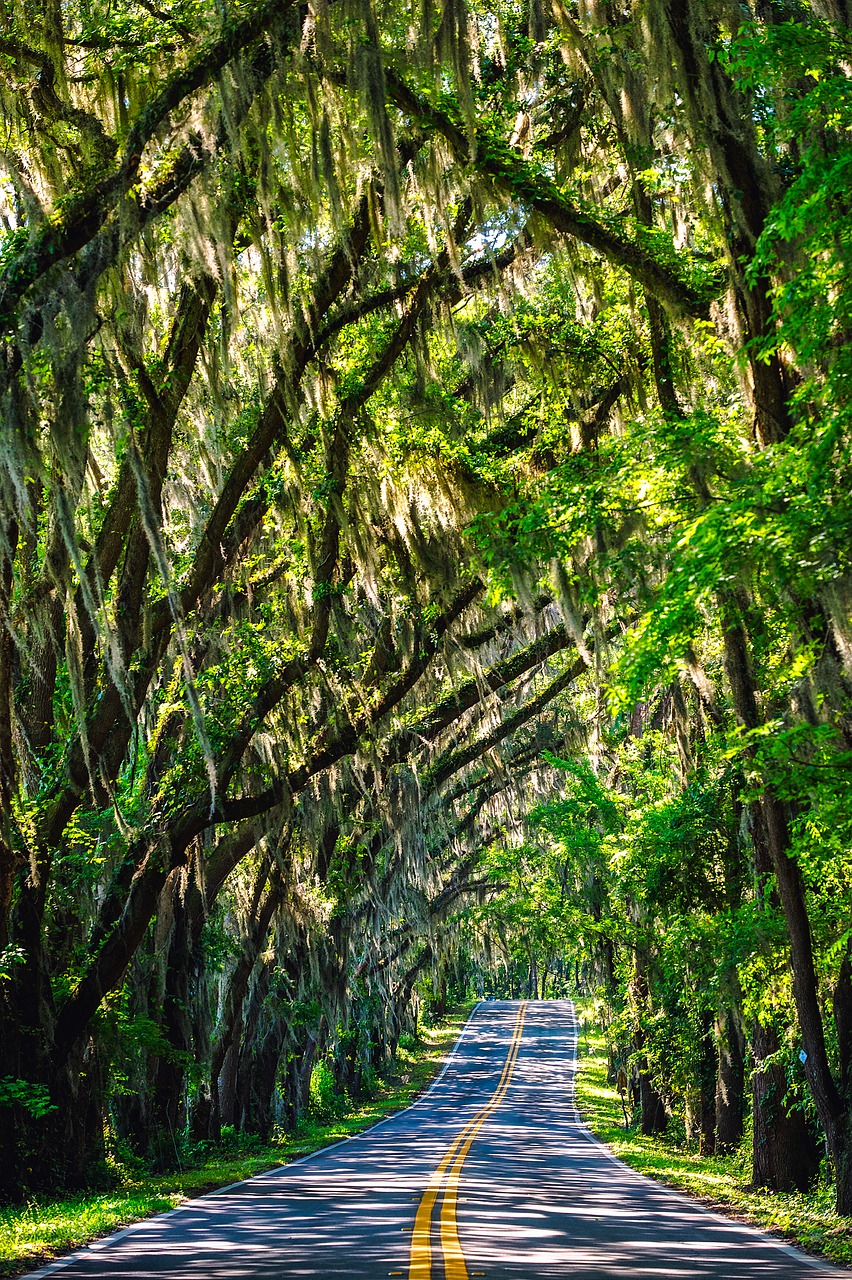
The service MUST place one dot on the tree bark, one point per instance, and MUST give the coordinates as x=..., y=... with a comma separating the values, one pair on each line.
x=653, y=1116
x=785, y=1156
x=705, y=1092
x=833, y=1107
x=730, y=1084
x=652, y=1110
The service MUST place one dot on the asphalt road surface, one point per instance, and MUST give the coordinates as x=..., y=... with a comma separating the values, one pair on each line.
x=490, y=1174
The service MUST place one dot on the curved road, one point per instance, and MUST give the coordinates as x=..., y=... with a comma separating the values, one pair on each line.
x=489, y=1174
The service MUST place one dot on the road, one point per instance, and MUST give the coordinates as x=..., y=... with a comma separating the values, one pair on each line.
x=490, y=1174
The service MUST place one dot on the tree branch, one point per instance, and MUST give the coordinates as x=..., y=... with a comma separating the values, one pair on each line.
x=523, y=181
x=85, y=214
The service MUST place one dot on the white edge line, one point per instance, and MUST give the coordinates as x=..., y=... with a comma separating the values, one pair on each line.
x=84, y=1251
x=825, y=1265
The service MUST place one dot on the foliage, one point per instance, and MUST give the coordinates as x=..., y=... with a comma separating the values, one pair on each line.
x=46, y=1228
x=721, y=1183
x=424, y=556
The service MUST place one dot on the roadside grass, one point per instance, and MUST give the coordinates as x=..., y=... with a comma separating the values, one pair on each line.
x=43, y=1229
x=720, y=1183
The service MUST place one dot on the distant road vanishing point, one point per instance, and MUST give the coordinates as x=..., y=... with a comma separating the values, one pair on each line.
x=490, y=1174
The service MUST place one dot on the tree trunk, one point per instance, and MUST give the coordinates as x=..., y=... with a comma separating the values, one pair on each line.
x=708, y=1068
x=772, y=826
x=256, y=1083
x=842, y=1142
x=260, y=1050
x=305, y=1066
x=652, y=1108
x=730, y=1084
x=168, y=1114
x=785, y=1156
x=724, y=133
x=9, y=860
x=61, y=1149
x=227, y=1084
x=55, y=1149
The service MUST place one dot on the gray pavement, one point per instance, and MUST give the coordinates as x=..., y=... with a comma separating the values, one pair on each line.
x=538, y=1197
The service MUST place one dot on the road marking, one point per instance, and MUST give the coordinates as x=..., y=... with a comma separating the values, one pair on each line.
x=420, y=1267
x=454, y=1263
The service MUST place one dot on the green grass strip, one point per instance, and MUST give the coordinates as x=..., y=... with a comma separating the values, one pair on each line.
x=718, y=1182
x=43, y=1229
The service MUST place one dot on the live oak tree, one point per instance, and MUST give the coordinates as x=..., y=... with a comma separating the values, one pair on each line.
x=416, y=423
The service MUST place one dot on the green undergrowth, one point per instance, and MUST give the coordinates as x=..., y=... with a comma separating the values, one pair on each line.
x=42, y=1229
x=720, y=1183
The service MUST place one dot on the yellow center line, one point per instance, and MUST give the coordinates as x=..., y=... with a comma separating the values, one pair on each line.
x=454, y=1263
x=420, y=1267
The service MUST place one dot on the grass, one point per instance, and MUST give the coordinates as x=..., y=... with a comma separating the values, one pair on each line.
x=719, y=1182
x=43, y=1229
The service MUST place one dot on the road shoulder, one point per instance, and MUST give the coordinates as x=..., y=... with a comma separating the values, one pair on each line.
x=45, y=1232
x=718, y=1184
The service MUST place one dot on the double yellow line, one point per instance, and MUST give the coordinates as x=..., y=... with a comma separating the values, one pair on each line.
x=448, y=1175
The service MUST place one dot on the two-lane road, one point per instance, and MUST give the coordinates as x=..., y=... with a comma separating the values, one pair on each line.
x=490, y=1174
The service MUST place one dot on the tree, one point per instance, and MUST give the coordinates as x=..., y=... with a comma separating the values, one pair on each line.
x=382, y=408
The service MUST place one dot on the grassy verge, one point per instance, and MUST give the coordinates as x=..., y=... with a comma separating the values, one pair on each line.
x=719, y=1182
x=43, y=1229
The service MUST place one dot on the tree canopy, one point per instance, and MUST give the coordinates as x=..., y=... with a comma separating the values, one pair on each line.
x=424, y=553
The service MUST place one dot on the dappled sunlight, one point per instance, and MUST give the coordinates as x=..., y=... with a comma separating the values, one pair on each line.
x=538, y=1197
